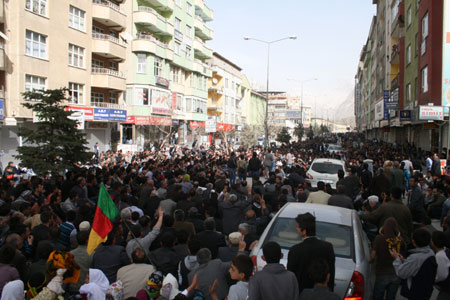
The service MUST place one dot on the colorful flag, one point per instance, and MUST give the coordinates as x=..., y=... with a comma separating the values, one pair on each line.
x=104, y=215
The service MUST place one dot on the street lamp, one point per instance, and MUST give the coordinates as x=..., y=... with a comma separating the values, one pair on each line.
x=301, y=100
x=268, y=43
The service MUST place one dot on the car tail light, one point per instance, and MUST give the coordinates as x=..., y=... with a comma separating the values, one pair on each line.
x=309, y=176
x=355, y=289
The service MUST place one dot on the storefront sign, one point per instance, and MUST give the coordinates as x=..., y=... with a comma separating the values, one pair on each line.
x=2, y=109
x=78, y=116
x=379, y=111
x=130, y=120
x=88, y=112
x=446, y=56
x=431, y=113
x=211, y=124
x=391, y=101
x=225, y=127
x=405, y=115
x=161, y=102
x=195, y=124
x=109, y=114
x=162, y=81
x=153, y=121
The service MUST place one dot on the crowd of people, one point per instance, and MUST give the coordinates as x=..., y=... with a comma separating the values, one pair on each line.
x=189, y=219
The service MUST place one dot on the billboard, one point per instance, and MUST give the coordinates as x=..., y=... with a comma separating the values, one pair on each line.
x=161, y=102
x=431, y=113
x=211, y=124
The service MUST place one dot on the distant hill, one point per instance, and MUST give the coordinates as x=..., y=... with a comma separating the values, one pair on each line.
x=345, y=110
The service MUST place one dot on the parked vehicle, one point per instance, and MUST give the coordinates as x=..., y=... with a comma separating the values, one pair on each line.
x=339, y=226
x=324, y=169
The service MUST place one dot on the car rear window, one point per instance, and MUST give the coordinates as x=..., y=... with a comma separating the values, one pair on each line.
x=284, y=232
x=326, y=168
x=334, y=148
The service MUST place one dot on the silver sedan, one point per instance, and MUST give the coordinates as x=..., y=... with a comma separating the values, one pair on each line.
x=339, y=226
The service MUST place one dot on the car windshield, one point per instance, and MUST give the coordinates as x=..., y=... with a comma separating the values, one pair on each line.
x=326, y=168
x=334, y=147
x=284, y=232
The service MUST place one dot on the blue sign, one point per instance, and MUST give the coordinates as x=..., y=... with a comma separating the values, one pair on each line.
x=1, y=109
x=110, y=114
x=405, y=115
x=117, y=115
x=386, y=112
x=101, y=114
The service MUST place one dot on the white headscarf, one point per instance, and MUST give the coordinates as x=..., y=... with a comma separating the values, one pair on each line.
x=13, y=290
x=97, y=286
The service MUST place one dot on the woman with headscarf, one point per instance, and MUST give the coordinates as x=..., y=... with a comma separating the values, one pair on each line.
x=96, y=285
x=13, y=290
x=386, y=281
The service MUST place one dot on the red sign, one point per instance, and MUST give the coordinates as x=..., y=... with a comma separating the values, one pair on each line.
x=88, y=111
x=225, y=127
x=174, y=100
x=153, y=121
x=162, y=81
x=195, y=124
x=130, y=120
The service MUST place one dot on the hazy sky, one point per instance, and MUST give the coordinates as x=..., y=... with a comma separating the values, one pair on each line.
x=330, y=35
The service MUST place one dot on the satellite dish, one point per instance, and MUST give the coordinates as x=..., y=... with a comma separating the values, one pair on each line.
x=215, y=81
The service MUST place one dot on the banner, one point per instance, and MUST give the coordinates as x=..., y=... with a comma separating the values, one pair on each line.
x=110, y=114
x=161, y=102
x=88, y=112
x=211, y=124
x=446, y=56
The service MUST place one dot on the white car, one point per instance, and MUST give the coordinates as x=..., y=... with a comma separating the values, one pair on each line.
x=339, y=226
x=325, y=170
x=335, y=149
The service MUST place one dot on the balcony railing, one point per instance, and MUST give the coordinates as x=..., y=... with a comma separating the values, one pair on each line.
x=106, y=37
x=107, y=71
x=147, y=9
x=110, y=4
x=106, y=105
x=148, y=36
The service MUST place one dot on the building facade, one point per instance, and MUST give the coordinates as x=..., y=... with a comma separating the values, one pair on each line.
x=388, y=107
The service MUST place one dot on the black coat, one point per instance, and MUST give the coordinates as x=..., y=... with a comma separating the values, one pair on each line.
x=212, y=240
x=301, y=255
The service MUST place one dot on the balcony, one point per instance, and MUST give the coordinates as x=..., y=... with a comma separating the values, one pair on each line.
x=201, y=30
x=202, y=68
x=215, y=89
x=109, y=14
x=107, y=105
x=108, y=79
x=162, y=5
x=108, y=46
x=201, y=51
x=395, y=55
x=216, y=106
x=153, y=21
x=398, y=22
x=203, y=11
x=146, y=42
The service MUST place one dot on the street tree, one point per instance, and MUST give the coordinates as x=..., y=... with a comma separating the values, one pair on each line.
x=250, y=134
x=310, y=133
x=54, y=144
x=283, y=136
x=299, y=131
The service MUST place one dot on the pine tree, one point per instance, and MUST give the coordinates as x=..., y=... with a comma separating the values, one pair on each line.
x=310, y=133
x=284, y=137
x=56, y=144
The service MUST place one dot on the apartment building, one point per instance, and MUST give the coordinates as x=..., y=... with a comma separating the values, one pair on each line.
x=414, y=80
x=167, y=78
x=66, y=43
x=225, y=99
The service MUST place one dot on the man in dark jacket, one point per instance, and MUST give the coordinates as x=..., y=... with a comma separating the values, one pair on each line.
x=273, y=281
x=396, y=209
x=352, y=184
x=436, y=166
x=340, y=198
x=211, y=239
x=254, y=165
x=301, y=255
x=233, y=211
x=165, y=259
x=416, y=200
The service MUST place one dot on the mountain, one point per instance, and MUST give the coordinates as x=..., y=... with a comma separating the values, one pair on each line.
x=345, y=110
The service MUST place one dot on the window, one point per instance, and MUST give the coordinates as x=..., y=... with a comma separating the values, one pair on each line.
x=425, y=79
x=113, y=65
x=408, y=54
x=226, y=83
x=178, y=2
x=76, y=18
x=188, y=31
x=37, y=6
x=76, y=56
x=97, y=97
x=177, y=48
x=417, y=44
x=158, y=66
x=113, y=98
x=191, y=77
x=76, y=93
x=142, y=63
x=175, y=74
x=97, y=30
x=408, y=92
x=34, y=83
x=188, y=8
x=409, y=16
x=36, y=44
x=188, y=104
x=423, y=46
x=188, y=52
x=97, y=64
x=177, y=24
